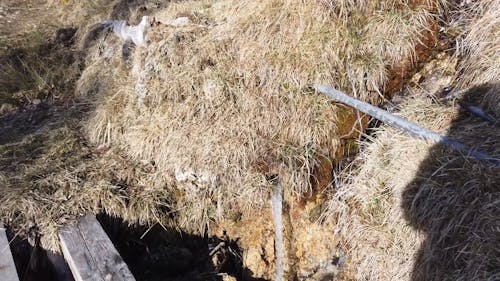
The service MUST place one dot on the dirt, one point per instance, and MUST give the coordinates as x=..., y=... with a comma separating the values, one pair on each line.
x=311, y=249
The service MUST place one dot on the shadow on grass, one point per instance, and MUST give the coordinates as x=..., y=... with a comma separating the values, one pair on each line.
x=40, y=69
x=455, y=200
x=38, y=83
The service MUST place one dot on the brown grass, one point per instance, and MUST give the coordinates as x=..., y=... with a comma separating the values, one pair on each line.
x=48, y=174
x=40, y=71
x=226, y=100
x=367, y=206
x=57, y=177
x=412, y=211
x=408, y=210
x=479, y=44
x=208, y=111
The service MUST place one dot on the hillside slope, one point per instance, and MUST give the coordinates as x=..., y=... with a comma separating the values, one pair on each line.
x=191, y=130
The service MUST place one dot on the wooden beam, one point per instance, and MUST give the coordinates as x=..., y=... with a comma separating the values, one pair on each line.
x=7, y=267
x=109, y=261
x=77, y=255
x=90, y=254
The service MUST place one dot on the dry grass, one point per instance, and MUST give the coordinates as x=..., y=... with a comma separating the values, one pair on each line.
x=42, y=70
x=412, y=211
x=48, y=174
x=479, y=44
x=223, y=102
x=367, y=205
x=480, y=50
x=408, y=210
x=51, y=177
x=208, y=111
x=38, y=59
x=37, y=20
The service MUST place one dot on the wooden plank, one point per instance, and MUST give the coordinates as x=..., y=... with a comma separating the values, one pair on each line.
x=91, y=255
x=77, y=255
x=7, y=267
x=108, y=260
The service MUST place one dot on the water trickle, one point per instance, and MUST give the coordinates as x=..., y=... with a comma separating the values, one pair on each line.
x=277, y=210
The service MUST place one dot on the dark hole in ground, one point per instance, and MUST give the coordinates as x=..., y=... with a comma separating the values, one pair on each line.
x=36, y=264
x=158, y=253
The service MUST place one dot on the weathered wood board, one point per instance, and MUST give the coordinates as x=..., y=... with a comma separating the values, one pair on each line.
x=7, y=267
x=90, y=254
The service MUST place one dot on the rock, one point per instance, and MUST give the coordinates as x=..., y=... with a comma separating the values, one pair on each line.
x=311, y=251
x=255, y=260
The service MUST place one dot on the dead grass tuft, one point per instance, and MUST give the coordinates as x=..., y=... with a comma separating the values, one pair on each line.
x=42, y=71
x=479, y=45
x=222, y=103
x=407, y=210
x=412, y=211
x=367, y=205
x=52, y=177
